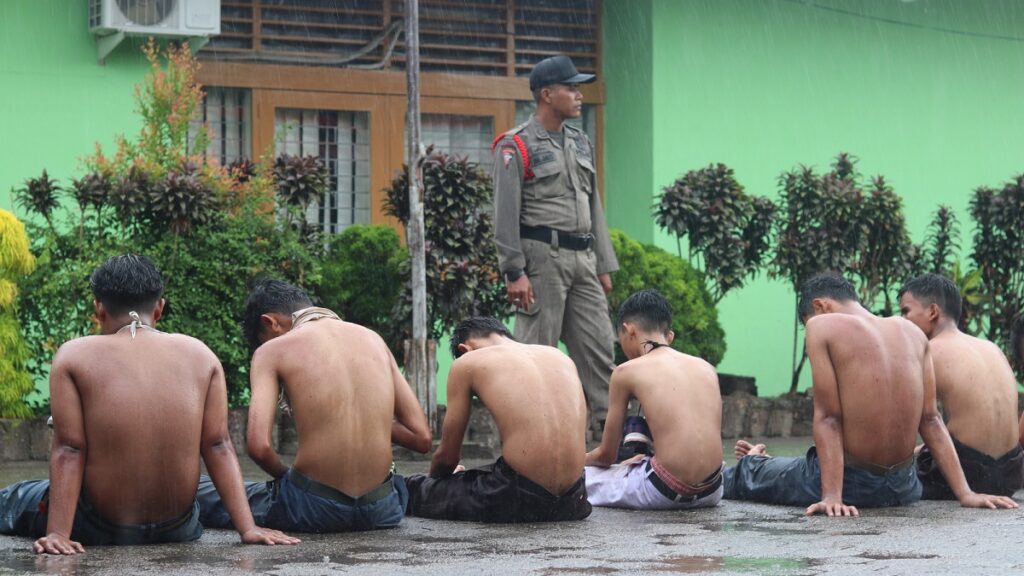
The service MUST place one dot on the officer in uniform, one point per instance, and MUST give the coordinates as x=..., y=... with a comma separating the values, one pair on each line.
x=553, y=244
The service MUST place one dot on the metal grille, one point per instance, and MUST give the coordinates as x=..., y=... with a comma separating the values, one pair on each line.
x=468, y=136
x=95, y=13
x=489, y=37
x=342, y=141
x=227, y=114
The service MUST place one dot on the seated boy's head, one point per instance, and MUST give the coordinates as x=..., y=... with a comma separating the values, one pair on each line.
x=823, y=294
x=476, y=332
x=269, y=308
x=127, y=283
x=642, y=315
x=928, y=299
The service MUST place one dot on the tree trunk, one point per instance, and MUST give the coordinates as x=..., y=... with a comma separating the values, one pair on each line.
x=418, y=362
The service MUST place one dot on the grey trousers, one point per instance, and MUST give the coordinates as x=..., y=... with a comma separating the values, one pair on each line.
x=569, y=305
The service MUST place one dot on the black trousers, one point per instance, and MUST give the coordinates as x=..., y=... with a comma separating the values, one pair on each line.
x=998, y=476
x=494, y=493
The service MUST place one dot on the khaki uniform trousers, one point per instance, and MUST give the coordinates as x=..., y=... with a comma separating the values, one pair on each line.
x=570, y=305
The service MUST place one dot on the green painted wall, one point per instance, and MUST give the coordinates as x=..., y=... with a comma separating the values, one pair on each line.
x=628, y=116
x=55, y=100
x=763, y=85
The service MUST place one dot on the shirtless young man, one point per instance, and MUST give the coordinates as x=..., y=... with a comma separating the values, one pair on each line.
x=874, y=391
x=349, y=402
x=1017, y=353
x=977, y=389
x=683, y=407
x=537, y=401
x=130, y=407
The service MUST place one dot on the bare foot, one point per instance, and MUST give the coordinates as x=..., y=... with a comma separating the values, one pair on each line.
x=744, y=448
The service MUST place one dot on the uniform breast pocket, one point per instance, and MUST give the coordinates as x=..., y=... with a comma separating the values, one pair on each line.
x=546, y=181
x=586, y=173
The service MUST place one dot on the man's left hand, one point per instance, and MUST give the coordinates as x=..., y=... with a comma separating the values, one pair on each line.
x=606, y=283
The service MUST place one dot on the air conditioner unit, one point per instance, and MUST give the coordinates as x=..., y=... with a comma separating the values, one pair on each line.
x=113, y=20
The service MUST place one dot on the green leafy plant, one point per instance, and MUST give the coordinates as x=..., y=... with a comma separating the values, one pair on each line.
x=463, y=278
x=15, y=262
x=299, y=180
x=181, y=200
x=39, y=196
x=695, y=319
x=941, y=243
x=886, y=257
x=998, y=252
x=820, y=230
x=362, y=276
x=728, y=232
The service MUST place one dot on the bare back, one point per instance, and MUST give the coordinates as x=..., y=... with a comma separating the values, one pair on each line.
x=338, y=378
x=978, y=391
x=683, y=406
x=536, y=398
x=142, y=408
x=879, y=373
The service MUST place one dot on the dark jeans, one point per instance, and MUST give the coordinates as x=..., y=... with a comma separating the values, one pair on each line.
x=24, y=507
x=999, y=476
x=797, y=482
x=494, y=493
x=296, y=503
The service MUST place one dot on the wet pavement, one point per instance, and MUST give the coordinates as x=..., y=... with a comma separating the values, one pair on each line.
x=735, y=538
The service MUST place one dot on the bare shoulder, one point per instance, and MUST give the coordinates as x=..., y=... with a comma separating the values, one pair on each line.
x=70, y=351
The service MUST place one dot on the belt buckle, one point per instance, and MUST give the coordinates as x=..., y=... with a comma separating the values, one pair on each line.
x=588, y=240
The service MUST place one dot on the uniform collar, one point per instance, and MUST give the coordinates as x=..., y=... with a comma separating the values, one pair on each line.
x=540, y=131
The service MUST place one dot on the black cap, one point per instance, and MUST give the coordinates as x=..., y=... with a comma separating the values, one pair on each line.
x=557, y=70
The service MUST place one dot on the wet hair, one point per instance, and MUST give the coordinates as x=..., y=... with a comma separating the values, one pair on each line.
x=476, y=327
x=824, y=285
x=270, y=295
x=649, y=310
x=1017, y=342
x=126, y=282
x=935, y=289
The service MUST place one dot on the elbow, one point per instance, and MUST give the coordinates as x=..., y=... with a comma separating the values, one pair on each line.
x=423, y=442
x=258, y=449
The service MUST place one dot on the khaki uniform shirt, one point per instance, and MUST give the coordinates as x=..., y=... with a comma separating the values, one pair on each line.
x=562, y=194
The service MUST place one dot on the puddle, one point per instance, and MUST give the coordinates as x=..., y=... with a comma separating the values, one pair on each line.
x=760, y=528
x=43, y=564
x=697, y=564
x=579, y=570
x=896, y=556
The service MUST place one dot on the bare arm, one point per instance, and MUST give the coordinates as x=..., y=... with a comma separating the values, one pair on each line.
x=456, y=419
x=262, y=409
x=410, y=428
x=67, y=461
x=619, y=392
x=827, y=425
x=222, y=464
x=935, y=435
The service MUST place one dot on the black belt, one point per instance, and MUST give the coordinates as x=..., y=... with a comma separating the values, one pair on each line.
x=715, y=483
x=567, y=240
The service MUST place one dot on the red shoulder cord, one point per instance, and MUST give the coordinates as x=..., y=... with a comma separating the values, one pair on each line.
x=527, y=172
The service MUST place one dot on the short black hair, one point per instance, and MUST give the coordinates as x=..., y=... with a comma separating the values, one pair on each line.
x=126, y=282
x=648, y=309
x=824, y=285
x=270, y=295
x=936, y=289
x=476, y=327
x=536, y=94
x=1017, y=342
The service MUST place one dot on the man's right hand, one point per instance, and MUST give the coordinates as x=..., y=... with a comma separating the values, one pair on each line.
x=832, y=508
x=520, y=293
x=975, y=500
x=268, y=537
x=54, y=543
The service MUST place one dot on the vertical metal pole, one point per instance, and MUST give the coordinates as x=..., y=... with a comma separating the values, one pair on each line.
x=418, y=366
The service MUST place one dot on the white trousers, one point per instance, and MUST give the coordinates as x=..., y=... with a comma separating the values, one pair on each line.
x=627, y=486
